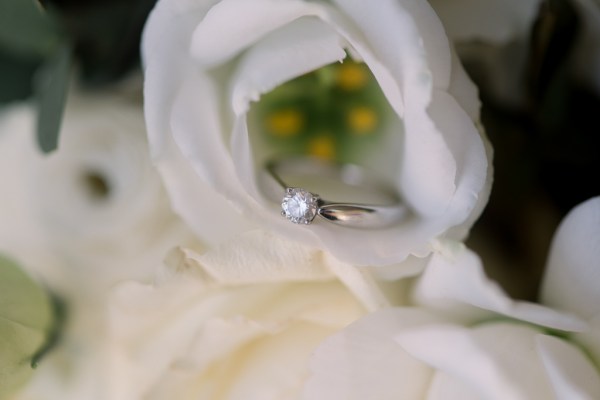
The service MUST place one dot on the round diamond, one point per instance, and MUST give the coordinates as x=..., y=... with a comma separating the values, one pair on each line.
x=299, y=206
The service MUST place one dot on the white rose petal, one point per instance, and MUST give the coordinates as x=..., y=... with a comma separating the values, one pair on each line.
x=454, y=281
x=260, y=257
x=96, y=205
x=20, y=230
x=192, y=337
x=416, y=353
x=205, y=62
x=444, y=386
x=98, y=197
x=467, y=339
x=363, y=361
x=81, y=218
x=495, y=360
x=571, y=373
x=573, y=271
x=590, y=339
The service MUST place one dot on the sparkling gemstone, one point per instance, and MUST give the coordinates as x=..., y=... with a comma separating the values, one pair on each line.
x=299, y=206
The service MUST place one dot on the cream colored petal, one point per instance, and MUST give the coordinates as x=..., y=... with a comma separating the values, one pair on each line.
x=572, y=275
x=221, y=341
x=299, y=47
x=420, y=61
x=166, y=38
x=196, y=130
x=571, y=373
x=248, y=22
x=363, y=361
x=167, y=64
x=454, y=281
x=21, y=231
x=496, y=360
x=445, y=386
x=259, y=256
x=590, y=339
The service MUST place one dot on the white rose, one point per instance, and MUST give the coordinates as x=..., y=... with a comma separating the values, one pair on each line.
x=208, y=63
x=456, y=344
x=232, y=323
x=96, y=204
x=21, y=236
x=411, y=353
x=80, y=219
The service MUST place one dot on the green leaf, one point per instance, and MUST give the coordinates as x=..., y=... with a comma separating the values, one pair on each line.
x=26, y=317
x=15, y=81
x=52, y=87
x=26, y=29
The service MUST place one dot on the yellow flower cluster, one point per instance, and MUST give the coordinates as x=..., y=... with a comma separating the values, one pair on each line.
x=326, y=113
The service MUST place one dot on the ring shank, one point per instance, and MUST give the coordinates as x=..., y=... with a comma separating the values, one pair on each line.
x=348, y=214
x=361, y=216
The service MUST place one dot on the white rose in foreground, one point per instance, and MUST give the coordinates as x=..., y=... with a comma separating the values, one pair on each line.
x=413, y=354
x=232, y=323
x=208, y=65
x=96, y=204
x=456, y=343
x=80, y=219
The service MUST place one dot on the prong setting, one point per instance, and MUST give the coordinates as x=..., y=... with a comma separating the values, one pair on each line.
x=299, y=206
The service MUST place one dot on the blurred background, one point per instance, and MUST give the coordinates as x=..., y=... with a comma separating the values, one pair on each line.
x=540, y=96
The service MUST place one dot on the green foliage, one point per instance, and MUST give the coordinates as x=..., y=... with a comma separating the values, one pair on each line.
x=40, y=40
x=25, y=29
x=52, y=89
x=26, y=318
x=15, y=77
x=105, y=35
x=30, y=38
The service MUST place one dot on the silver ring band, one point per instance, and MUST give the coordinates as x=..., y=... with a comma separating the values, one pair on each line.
x=301, y=206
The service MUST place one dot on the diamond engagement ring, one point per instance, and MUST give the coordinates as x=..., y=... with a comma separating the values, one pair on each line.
x=301, y=206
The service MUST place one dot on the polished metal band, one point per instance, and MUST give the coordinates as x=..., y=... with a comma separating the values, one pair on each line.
x=301, y=206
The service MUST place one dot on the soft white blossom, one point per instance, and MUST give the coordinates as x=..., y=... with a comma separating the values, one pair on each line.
x=96, y=206
x=232, y=323
x=464, y=339
x=79, y=220
x=208, y=62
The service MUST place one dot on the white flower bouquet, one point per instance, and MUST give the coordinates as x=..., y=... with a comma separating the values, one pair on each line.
x=286, y=199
